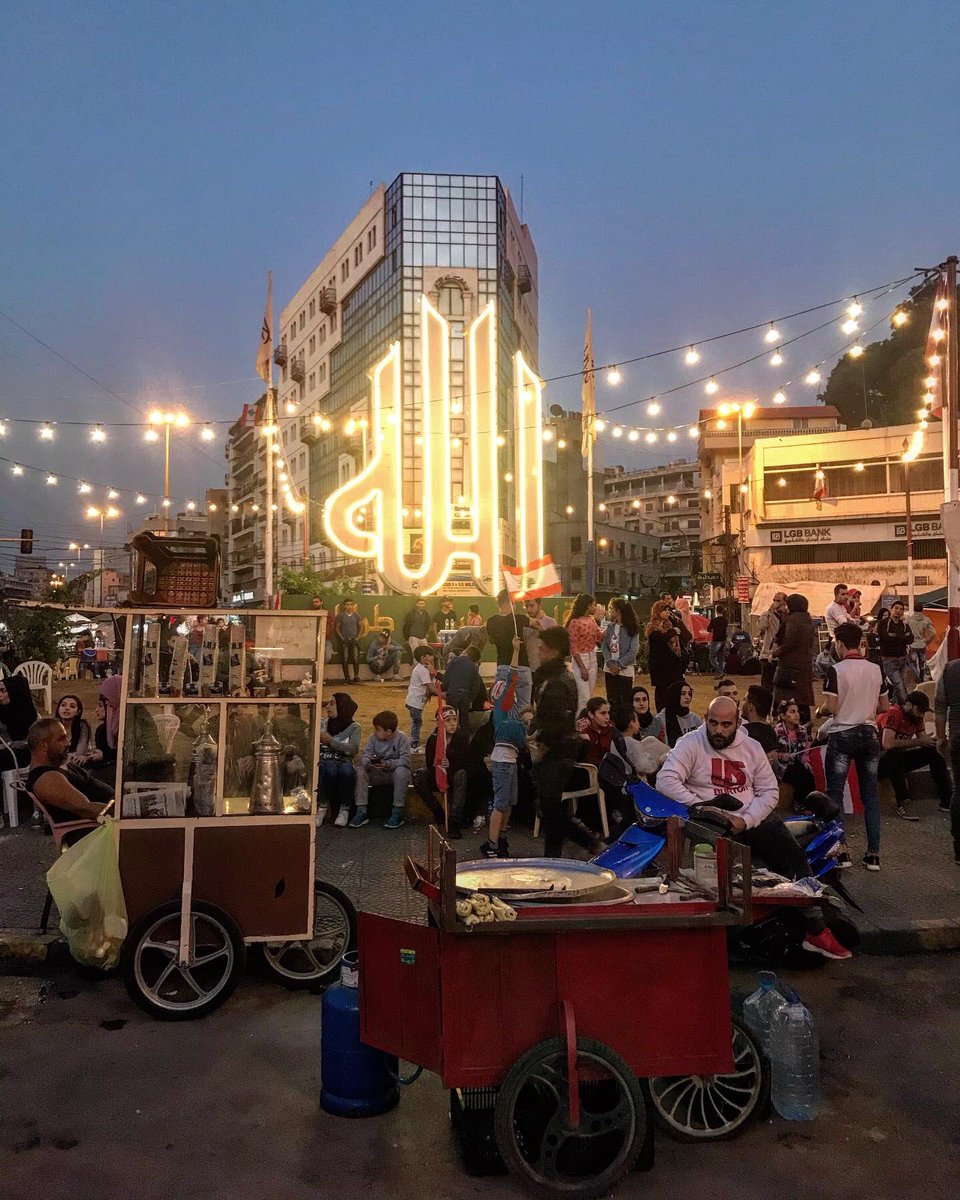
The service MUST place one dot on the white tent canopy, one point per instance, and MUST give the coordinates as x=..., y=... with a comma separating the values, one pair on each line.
x=820, y=595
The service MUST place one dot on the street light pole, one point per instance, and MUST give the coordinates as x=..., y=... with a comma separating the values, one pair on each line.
x=911, y=588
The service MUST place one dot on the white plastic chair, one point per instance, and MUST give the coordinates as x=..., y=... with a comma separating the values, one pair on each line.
x=167, y=726
x=12, y=782
x=40, y=677
x=593, y=789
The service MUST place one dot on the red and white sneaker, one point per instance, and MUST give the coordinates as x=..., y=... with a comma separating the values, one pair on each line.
x=826, y=944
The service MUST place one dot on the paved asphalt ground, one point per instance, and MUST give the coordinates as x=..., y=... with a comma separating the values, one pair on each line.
x=97, y=1099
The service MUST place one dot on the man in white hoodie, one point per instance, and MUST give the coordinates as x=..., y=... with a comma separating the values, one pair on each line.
x=720, y=759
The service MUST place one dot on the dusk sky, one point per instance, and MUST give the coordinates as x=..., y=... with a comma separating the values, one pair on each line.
x=687, y=168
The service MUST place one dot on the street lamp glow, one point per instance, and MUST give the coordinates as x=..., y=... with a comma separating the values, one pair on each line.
x=191, y=506
x=724, y=410
x=599, y=426
x=561, y=443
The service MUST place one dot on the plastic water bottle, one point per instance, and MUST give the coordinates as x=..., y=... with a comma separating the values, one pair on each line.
x=795, y=1056
x=760, y=1008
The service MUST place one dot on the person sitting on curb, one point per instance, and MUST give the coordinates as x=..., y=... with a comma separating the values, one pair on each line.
x=383, y=656
x=67, y=792
x=720, y=760
x=454, y=763
x=906, y=747
x=339, y=745
x=385, y=761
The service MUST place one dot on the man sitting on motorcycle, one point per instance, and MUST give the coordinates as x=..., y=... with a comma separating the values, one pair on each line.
x=719, y=761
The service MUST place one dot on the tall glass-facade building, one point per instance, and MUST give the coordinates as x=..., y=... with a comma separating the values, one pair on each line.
x=459, y=240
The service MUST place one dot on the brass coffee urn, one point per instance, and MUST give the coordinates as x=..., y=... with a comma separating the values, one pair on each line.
x=266, y=794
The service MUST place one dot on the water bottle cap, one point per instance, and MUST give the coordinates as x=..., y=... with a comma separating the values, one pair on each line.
x=350, y=970
x=767, y=979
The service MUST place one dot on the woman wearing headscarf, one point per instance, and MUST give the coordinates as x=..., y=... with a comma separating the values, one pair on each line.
x=794, y=651
x=17, y=714
x=339, y=746
x=70, y=715
x=677, y=717
x=666, y=658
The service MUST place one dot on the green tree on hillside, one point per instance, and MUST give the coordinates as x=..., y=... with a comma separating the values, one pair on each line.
x=885, y=384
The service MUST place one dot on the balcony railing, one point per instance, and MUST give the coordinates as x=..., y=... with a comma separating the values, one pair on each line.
x=328, y=300
x=297, y=372
x=280, y=355
x=524, y=279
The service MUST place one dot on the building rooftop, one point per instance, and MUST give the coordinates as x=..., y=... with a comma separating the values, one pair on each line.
x=779, y=412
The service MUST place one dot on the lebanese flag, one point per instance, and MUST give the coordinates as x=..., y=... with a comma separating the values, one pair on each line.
x=851, y=788
x=537, y=579
x=819, y=486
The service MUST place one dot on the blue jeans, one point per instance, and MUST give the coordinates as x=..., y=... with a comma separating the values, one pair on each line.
x=860, y=746
x=524, y=682
x=893, y=669
x=716, y=657
x=504, y=785
x=416, y=724
x=390, y=663
x=338, y=778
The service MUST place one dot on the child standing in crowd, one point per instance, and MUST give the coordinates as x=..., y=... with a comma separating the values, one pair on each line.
x=385, y=761
x=510, y=734
x=422, y=685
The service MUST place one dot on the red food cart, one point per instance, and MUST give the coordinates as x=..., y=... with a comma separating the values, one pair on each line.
x=567, y=1025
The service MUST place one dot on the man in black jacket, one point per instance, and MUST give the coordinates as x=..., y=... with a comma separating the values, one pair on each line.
x=555, y=697
x=455, y=762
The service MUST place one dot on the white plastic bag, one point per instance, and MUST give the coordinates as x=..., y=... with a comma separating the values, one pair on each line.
x=85, y=882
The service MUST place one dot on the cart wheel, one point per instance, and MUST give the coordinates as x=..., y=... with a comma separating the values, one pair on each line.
x=313, y=964
x=175, y=993
x=710, y=1108
x=536, y=1140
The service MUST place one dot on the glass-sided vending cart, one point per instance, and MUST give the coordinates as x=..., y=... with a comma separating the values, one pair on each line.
x=216, y=797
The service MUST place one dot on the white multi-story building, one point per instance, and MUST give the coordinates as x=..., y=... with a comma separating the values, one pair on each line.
x=664, y=502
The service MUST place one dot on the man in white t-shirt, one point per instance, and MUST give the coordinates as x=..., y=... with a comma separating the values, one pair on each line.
x=837, y=613
x=853, y=693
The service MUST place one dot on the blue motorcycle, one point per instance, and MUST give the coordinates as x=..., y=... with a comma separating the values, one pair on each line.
x=776, y=939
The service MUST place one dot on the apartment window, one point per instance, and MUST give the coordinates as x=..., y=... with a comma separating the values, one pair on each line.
x=371, y=237
x=344, y=269
x=323, y=371
x=576, y=574
x=393, y=217
x=575, y=545
x=312, y=382
x=313, y=308
x=333, y=321
x=649, y=507
x=303, y=459
x=303, y=319
x=293, y=331
x=357, y=255
x=313, y=343
x=643, y=554
x=322, y=334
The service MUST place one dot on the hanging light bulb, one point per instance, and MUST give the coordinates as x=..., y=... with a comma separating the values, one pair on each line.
x=633, y=435
x=773, y=334
x=547, y=435
x=151, y=435
x=694, y=431
x=855, y=350
x=207, y=433
x=781, y=482
x=191, y=506
x=858, y=467
x=98, y=434
x=617, y=431
x=938, y=334
x=166, y=503
x=929, y=398
x=141, y=499
x=456, y=407
x=653, y=408
x=52, y=481
x=776, y=359
x=712, y=386
x=561, y=443
x=930, y=381
x=672, y=436
x=508, y=477
x=502, y=441
x=849, y=326
x=599, y=426
x=942, y=303
x=692, y=356
x=569, y=510
x=84, y=488
x=16, y=469
x=721, y=424
x=899, y=318
x=934, y=360
x=650, y=438
x=779, y=398
x=854, y=309
x=707, y=494
x=112, y=494
x=46, y=433
x=812, y=376
x=613, y=375
x=601, y=507
x=291, y=407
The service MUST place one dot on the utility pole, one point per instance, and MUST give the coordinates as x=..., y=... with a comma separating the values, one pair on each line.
x=911, y=586
x=728, y=572
x=951, y=416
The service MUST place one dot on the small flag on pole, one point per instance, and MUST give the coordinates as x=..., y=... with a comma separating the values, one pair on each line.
x=819, y=487
x=266, y=336
x=533, y=581
x=588, y=393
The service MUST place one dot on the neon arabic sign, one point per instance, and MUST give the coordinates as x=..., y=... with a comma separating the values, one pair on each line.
x=378, y=488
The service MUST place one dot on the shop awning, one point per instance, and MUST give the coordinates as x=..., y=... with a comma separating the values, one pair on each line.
x=820, y=595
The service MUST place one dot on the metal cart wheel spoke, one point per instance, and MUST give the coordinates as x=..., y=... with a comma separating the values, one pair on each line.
x=536, y=1137
x=711, y=1107
x=314, y=962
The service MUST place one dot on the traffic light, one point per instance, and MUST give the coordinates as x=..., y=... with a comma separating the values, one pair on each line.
x=26, y=541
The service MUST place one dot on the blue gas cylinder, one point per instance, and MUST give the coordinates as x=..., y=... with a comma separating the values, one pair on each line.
x=356, y=1080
